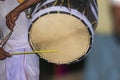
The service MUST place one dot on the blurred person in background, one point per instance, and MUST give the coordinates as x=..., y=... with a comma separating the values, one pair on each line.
x=115, y=10
x=103, y=60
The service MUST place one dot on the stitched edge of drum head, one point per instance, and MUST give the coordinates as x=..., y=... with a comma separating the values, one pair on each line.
x=32, y=45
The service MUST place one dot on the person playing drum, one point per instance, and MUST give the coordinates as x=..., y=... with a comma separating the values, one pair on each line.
x=19, y=67
x=19, y=41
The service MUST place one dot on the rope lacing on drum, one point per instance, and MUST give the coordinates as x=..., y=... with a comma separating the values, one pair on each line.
x=55, y=3
x=61, y=2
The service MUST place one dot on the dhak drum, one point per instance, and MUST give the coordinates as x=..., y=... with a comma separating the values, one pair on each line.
x=58, y=28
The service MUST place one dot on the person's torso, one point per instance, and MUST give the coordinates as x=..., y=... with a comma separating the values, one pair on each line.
x=19, y=37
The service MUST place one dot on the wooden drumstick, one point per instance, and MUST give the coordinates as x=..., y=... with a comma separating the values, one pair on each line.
x=6, y=39
x=34, y=52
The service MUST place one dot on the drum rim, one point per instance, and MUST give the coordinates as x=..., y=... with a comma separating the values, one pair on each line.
x=67, y=10
x=62, y=12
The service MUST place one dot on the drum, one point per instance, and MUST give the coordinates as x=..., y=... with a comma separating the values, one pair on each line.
x=58, y=28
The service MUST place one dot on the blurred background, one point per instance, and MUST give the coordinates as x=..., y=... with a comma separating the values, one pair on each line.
x=101, y=63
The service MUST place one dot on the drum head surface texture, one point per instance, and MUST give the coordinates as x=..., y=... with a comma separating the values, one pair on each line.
x=61, y=32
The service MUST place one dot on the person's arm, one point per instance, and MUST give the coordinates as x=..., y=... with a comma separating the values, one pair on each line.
x=14, y=14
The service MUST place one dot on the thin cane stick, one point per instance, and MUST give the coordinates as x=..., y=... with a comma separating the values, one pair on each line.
x=55, y=2
x=34, y=52
x=6, y=39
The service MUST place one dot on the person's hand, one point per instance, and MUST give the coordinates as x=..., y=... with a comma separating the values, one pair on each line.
x=11, y=18
x=3, y=54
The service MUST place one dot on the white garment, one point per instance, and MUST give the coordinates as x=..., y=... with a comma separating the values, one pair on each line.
x=17, y=40
x=19, y=67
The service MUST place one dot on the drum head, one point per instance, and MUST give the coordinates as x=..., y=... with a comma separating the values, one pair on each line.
x=61, y=32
